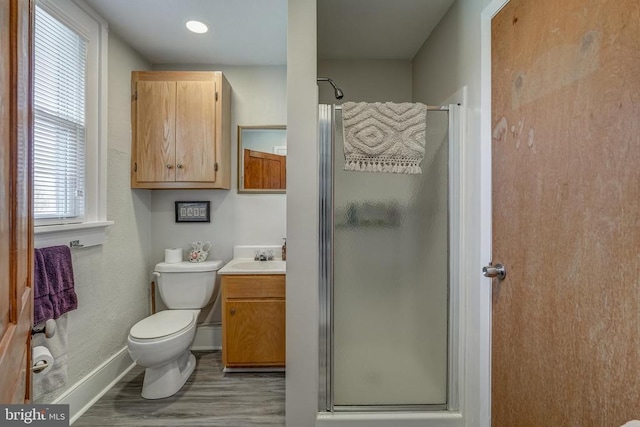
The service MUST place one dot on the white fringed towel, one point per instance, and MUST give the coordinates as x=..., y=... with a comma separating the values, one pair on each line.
x=384, y=136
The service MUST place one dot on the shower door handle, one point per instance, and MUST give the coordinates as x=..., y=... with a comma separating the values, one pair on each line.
x=493, y=271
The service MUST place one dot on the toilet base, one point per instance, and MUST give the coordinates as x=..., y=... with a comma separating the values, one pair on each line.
x=167, y=379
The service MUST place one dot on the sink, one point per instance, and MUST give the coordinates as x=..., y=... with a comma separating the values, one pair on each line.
x=260, y=265
x=249, y=266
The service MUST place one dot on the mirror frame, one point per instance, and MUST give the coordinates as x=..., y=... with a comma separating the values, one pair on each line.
x=241, y=188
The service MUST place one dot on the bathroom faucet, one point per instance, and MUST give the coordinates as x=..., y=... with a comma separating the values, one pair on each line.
x=262, y=256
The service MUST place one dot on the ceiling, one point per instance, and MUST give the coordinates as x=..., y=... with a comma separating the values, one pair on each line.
x=254, y=32
x=241, y=32
x=376, y=29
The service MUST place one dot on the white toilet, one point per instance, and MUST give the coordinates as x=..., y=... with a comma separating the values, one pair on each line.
x=161, y=342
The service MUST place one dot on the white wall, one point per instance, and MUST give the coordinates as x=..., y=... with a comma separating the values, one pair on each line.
x=112, y=280
x=366, y=80
x=448, y=61
x=258, y=98
x=302, y=216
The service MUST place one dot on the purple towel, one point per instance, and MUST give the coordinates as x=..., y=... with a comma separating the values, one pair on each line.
x=42, y=307
x=54, y=292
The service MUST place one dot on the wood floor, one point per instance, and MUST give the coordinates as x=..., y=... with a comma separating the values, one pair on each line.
x=209, y=398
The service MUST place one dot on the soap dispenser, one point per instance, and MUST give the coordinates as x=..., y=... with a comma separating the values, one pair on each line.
x=284, y=249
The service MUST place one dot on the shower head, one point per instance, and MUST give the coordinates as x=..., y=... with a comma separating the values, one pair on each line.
x=338, y=92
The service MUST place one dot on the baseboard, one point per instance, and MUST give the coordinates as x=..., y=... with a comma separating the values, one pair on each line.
x=208, y=337
x=254, y=370
x=94, y=385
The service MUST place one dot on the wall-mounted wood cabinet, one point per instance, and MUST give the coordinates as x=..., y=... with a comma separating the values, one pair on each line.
x=181, y=130
x=253, y=321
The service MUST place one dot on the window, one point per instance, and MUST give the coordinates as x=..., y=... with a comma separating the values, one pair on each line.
x=59, y=121
x=69, y=116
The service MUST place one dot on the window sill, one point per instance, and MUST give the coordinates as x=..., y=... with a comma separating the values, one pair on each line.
x=87, y=234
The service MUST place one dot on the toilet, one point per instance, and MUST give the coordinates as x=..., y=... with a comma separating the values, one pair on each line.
x=161, y=342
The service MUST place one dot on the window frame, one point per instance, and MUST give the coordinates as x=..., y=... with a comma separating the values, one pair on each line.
x=82, y=19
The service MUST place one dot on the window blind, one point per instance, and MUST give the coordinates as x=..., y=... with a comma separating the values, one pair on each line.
x=59, y=121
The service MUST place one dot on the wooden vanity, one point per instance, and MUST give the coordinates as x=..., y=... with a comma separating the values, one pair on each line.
x=253, y=320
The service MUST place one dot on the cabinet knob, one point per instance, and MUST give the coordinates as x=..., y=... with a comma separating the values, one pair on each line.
x=169, y=166
x=179, y=165
x=233, y=311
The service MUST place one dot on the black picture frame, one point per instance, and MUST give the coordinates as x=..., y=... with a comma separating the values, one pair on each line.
x=193, y=211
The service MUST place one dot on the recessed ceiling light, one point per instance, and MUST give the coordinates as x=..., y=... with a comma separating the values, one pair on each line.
x=197, y=27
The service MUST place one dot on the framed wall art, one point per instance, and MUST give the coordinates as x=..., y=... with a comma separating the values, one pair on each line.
x=193, y=211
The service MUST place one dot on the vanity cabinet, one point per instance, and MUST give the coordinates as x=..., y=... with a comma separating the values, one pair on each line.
x=253, y=321
x=181, y=129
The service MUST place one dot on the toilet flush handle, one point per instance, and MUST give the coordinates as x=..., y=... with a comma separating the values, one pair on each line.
x=156, y=274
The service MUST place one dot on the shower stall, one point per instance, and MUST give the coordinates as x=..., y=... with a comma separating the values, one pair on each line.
x=389, y=265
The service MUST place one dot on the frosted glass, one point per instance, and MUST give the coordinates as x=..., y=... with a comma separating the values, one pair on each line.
x=391, y=273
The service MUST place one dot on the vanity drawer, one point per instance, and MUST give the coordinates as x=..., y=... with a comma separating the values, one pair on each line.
x=253, y=286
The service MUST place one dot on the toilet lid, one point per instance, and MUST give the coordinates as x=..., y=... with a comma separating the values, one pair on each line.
x=162, y=324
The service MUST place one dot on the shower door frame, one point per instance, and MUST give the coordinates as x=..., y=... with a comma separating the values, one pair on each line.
x=455, y=339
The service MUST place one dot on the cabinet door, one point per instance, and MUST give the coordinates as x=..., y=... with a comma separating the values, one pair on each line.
x=255, y=332
x=155, y=131
x=264, y=170
x=195, y=131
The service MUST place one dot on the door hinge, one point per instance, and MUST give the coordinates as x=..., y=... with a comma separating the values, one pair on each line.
x=215, y=167
x=135, y=96
x=216, y=96
x=135, y=167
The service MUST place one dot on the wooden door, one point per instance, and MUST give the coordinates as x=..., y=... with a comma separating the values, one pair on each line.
x=566, y=213
x=16, y=239
x=196, y=131
x=264, y=170
x=155, y=129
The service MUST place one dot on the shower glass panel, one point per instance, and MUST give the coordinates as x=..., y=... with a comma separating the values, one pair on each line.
x=389, y=310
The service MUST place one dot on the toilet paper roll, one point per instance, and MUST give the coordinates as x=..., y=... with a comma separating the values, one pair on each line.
x=41, y=355
x=173, y=255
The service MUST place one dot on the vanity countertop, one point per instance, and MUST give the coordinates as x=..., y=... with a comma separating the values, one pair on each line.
x=250, y=266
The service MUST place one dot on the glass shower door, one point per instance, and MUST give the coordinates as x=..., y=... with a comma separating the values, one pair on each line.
x=390, y=290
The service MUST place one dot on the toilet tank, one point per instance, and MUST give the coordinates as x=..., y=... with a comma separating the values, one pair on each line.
x=187, y=285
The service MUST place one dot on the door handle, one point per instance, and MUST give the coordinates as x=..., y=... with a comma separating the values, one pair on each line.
x=492, y=271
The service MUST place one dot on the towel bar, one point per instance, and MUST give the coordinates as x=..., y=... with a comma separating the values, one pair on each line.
x=429, y=107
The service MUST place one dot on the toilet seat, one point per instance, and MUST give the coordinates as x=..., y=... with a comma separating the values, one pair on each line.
x=162, y=324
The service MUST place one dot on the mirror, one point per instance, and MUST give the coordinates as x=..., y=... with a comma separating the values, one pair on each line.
x=262, y=159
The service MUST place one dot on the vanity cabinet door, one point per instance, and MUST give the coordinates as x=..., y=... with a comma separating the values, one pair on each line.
x=253, y=320
x=255, y=333
x=181, y=129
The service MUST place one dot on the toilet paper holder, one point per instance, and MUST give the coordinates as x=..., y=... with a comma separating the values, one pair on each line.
x=40, y=366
